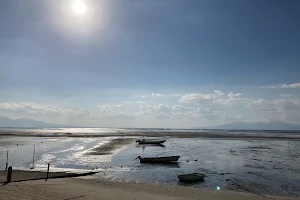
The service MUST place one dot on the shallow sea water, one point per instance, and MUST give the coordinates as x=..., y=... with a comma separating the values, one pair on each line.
x=259, y=166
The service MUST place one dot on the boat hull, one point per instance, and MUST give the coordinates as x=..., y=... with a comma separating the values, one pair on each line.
x=159, y=159
x=195, y=177
x=150, y=141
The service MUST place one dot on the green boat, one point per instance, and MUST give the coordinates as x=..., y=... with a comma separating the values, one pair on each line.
x=191, y=177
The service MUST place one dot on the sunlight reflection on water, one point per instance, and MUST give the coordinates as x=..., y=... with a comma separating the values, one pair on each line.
x=264, y=166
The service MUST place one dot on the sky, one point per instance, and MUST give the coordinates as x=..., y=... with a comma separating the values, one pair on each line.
x=150, y=63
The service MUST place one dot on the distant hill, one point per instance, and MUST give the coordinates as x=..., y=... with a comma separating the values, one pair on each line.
x=27, y=123
x=257, y=126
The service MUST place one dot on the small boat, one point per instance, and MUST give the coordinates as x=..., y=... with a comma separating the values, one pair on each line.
x=158, y=159
x=191, y=177
x=154, y=145
x=150, y=141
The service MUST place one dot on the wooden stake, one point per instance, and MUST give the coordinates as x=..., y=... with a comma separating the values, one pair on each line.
x=6, y=160
x=48, y=171
x=9, y=173
x=33, y=157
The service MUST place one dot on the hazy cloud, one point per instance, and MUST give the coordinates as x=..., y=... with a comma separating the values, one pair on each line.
x=112, y=108
x=219, y=93
x=277, y=110
x=114, y=111
x=293, y=85
x=141, y=96
x=198, y=98
x=40, y=109
x=208, y=108
x=175, y=95
x=44, y=112
x=235, y=96
x=157, y=94
x=179, y=112
x=216, y=97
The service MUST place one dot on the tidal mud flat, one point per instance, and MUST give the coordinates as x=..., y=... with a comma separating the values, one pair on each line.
x=267, y=167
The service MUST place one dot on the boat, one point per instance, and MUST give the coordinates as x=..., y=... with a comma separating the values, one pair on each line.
x=150, y=141
x=191, y=177
x=167, y=159
x=155, y=145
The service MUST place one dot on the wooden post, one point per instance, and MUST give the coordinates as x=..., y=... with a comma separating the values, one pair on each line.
x=33, y=157
x=48, y=171
x=6, y=160
x=9, y=173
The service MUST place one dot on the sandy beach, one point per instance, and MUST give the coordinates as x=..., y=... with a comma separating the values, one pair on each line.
x=19, y=175
x=88, y=189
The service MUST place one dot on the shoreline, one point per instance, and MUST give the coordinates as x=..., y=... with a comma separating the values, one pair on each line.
x=26, y=175
x=25, y=178
x=111, y=145
x=149, y=134
x=67, y=188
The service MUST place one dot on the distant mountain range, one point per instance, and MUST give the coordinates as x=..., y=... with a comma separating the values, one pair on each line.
x=257, y=126
x=28, y=123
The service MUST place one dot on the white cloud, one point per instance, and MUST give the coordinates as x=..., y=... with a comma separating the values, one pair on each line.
x=36, y=108
x=44, y=112
x=279, y=104
x=293, y=85
x=112, y=108
x=285, y=104
x=219, y=93
x=271, y=86
x=157, y=94
x=198, y=98
x=143, y=96
x=217, y=98
x=235, y=96
x=114, y=111
x=179, y=112
x=234, y=106
x=190, y=109
x=277, y=110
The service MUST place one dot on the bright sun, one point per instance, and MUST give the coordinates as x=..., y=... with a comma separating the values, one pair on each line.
x=79, y=7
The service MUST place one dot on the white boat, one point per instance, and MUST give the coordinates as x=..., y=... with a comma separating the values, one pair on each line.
x=159, y=159
x=191, y=177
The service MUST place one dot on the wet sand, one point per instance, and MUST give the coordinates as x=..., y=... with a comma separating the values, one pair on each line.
x=252, y=164
x=71, y=188
x=21, y=175
x=110, y=146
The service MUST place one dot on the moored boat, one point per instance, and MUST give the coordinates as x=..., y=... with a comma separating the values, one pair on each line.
x=166, y=159
x=150, y=141
x=191, y=177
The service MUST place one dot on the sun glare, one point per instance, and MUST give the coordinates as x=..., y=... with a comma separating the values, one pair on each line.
x=79, y=7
